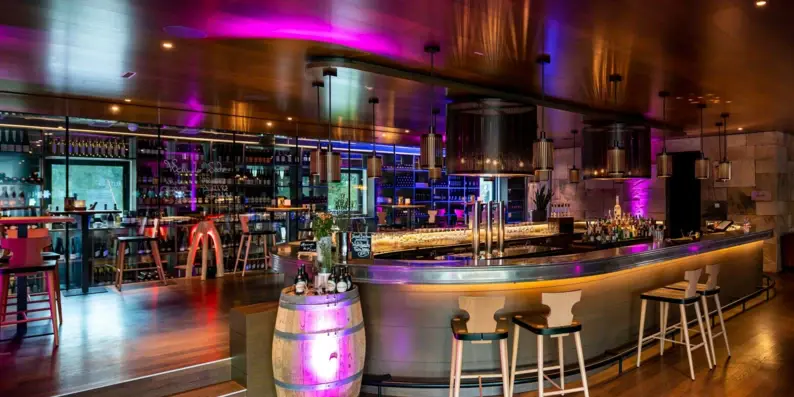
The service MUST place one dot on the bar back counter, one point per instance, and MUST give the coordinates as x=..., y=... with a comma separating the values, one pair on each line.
x=408, y=304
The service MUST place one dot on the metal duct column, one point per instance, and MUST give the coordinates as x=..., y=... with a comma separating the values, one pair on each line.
x=475, y=229
x=489, y=228
x=500, y=208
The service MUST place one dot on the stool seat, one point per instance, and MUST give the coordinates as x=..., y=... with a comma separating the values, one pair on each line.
x=669, y=296
x=50, y=256
x=46, y=266
x=128, y=239
x=702, y=289
x=538, y=325
x=259, y=233
x=461, y=332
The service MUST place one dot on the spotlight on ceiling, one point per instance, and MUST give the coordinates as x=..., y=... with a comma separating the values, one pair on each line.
x=760, y=3
x=168, y=45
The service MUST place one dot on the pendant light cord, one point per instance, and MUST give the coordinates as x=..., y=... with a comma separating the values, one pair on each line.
x=543, y=99
x=702, y=154
x=664, y=118
x=373, y=129
x=725, y=139
x=432, y=92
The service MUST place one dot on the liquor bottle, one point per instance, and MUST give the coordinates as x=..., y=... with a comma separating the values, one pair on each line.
x=330, y=285
x=300, y=281
x=25, y=142
x=341, y=282
x=61, y=147
x=349, y=279
x=618, y=212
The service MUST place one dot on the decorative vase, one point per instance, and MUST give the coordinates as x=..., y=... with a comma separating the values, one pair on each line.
x=324, y=259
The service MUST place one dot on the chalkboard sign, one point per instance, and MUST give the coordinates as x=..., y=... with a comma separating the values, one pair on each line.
x=360, y=246
x=308, y=246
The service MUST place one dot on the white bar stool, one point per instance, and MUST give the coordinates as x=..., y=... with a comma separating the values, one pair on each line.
x=479, y=328
x=665, y=297
x=710, y=289
x=558, y=324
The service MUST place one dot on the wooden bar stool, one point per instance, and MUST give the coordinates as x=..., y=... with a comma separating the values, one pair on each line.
x=141, y=238
x=558, y=324
x=49, y=269
x=710, y=289
x=665, y=297
x=479, y=328
x=45, y=256
x=245, y=239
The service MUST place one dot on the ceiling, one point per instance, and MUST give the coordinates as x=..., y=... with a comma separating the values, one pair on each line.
x=249, y=58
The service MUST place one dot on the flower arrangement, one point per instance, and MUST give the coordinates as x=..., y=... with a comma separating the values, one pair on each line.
x=322, y=224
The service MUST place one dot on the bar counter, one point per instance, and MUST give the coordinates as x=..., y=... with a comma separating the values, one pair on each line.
x=408, y=304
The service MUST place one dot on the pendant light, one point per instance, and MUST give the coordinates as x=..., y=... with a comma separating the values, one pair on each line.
x=616, y=155
x=374, y=162
x=724, y=167
x=573, y=172
x=430, y=145
x=702, y=166
x=664, y=163
x=315, y=162
x=543, y=148
x=331, y=160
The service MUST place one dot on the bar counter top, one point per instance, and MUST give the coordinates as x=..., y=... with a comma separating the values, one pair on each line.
x=557, y=267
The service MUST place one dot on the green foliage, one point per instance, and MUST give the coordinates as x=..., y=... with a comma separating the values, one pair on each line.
x=542, y=198
x=322, y=224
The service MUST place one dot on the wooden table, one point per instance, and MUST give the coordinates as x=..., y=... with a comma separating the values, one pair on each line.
x=85, y=217
x=22, y=223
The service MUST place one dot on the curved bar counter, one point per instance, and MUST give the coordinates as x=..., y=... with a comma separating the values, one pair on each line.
x=408, y=304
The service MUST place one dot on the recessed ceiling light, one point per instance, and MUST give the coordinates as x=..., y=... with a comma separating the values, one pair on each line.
x=478, y=53
x=128, y=100
x=407, y=130
x=369, y=88
x=289, y=118
x=760, y=3
x=115, y=108
x=728, y=101
x=679, y=97
x=741, y=129
x=269, y=123
x=168, y=45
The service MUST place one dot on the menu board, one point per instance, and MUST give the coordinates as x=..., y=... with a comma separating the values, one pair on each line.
x=307, y=246
x=360, y=246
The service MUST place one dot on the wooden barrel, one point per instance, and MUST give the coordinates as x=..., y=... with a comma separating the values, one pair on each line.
x=318, y=345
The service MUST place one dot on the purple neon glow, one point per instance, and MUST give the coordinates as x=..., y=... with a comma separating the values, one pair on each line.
x=639, y=195
x=301, y=28
x=329, y=352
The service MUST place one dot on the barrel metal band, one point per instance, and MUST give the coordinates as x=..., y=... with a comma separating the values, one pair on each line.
x=320, y=386
x=320, y=335
x=309, y=307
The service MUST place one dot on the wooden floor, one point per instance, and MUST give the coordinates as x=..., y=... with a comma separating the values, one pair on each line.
x=762, y=362
x=111, y=337
x=115, y=336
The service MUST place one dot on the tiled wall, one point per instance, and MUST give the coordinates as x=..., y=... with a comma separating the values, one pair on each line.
x=762, y=162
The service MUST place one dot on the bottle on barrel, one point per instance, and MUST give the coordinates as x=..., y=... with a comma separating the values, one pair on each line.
x=301, y=281
x=341, y=281
x=348, y=279
x=330, y=285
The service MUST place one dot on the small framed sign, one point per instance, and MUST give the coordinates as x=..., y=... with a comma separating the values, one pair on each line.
x=307, y=246
x=360, y=246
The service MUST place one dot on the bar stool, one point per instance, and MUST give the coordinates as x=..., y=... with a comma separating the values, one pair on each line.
x=45, y=256
x=710, y=289
x=141, y=238
x=245, y=239
x=479, y=328
x=49, y=269
x=665, y=297
x=558, y=324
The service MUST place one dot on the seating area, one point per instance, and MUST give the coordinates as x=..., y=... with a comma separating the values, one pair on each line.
x=484, y=323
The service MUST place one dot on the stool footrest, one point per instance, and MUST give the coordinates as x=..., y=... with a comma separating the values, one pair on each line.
x=561, y=392
x=477, y=376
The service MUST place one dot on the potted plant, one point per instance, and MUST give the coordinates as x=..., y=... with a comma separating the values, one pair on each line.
x=322, y=224
x=542, y=200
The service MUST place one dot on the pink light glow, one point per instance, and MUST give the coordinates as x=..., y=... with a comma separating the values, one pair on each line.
x=300, y=28
x=330, y=350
